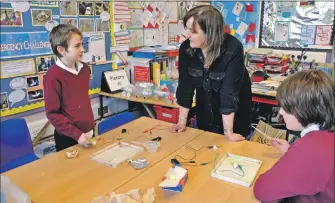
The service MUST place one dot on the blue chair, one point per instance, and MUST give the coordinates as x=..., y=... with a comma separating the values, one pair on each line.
x=115, y=121
x=15, y=143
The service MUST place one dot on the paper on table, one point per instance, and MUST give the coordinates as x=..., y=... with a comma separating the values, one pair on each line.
x=169, y=183
x=173, y=176
x=132, y=196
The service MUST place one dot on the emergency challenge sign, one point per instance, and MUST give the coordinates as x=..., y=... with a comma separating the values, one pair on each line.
x=15, y=45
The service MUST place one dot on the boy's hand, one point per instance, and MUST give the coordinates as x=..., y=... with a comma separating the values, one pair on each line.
x=89, y=134
x=281, y=145
x=83, y=140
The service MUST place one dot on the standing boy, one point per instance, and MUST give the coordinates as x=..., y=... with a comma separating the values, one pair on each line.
x=66, y=85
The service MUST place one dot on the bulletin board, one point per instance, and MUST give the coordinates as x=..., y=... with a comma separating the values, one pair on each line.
x=297, y=25
x=241, y=19
x=26, y=54
x=160, y=23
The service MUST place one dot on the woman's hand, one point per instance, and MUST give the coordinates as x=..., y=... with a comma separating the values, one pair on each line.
x=179, y=127
x=234, y=137
x=280, y=144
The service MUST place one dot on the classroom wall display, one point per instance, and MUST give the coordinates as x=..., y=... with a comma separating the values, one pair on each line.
x=297, y=24
x=3, y=101
x=40, y=17
x=44, y=63
x=241, y=19
x=72, y=21
x=10, y=18
x=26, y=55
x=159, y=20
x=17, y=68
x=21, y=44
x=35, y=90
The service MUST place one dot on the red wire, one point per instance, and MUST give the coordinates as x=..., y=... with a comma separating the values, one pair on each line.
x=155, y=128
x=103, y=140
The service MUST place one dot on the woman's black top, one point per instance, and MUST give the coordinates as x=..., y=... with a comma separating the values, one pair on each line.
x=223, y=88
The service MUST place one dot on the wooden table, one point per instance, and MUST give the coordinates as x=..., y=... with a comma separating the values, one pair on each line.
x=58, y=179
x=201, y=187
x=141, y=100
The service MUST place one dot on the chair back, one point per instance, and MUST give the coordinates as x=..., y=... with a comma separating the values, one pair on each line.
x=115, y=121
x=15, y=140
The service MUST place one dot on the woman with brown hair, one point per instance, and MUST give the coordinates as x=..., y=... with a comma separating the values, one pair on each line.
x=212, y=63
x=305, y=172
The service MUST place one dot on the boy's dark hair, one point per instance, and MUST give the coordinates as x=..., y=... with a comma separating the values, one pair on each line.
x=310, y=96
x=60, y=35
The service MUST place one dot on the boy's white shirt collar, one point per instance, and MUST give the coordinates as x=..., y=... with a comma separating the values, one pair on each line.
x=62, y=65
x=310, y=128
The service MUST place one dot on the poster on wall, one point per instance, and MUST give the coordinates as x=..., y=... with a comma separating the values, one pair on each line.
x=17, y=45
x=296, y=25
x=44, y=3
x=9, y=18
x=35, y=90
x=44, y=63
x=3, y=101
x=39, y=17
x=68, y=8
x=136, y=38
x=96, y=46
x=71, y=21
x=15, y=68
x=18, y=94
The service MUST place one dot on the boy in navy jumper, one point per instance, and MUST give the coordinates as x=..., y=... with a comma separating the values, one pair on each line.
x=66, y=85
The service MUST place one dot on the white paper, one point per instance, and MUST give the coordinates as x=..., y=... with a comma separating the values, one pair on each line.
x=173, y=177
x=281, y=32
x=16, y=96
x=150, y=37
x=173, y=12
x=104, y=16
x=176, y=31
x=237, y=9
x=136, y=18
x=242, y=28
x=136, y=38
x=96, y=46
x=20, y=6
x=145, y=18
x=51, y=24
x=169, y=183
x=17, y=67
x=18, y=83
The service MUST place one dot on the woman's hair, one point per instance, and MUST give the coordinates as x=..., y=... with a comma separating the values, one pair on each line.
x=212, y=24
x=310, y=96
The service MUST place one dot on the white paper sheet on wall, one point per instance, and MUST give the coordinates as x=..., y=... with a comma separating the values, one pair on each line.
x=96, y=46
x=146, y=16
x=136, y=38
x=171, y=9
x=136, y=16
x=176, y=31
x=150, y=37
x=237, y=9
x=281, y=31
x=242, y=28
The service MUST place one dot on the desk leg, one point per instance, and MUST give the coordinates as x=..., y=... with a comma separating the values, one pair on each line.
x=149, y=111
x=101, y=100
